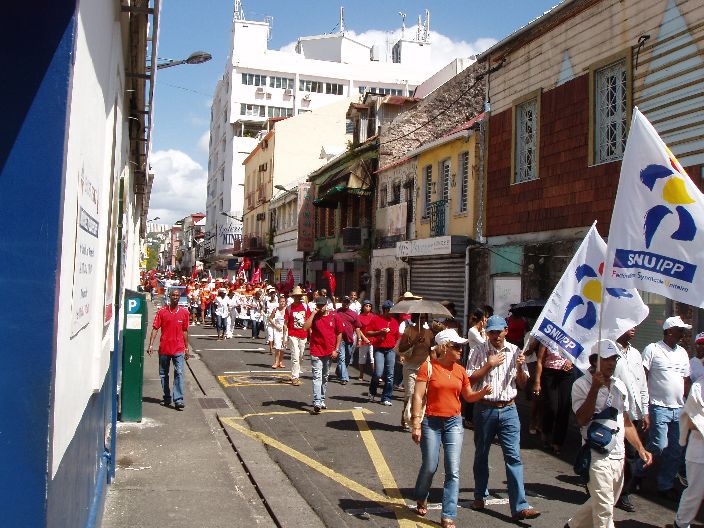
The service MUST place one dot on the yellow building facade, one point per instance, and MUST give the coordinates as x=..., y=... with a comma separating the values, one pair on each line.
x=446, y=184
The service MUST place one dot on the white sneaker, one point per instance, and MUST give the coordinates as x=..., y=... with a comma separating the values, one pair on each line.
x=387, y=403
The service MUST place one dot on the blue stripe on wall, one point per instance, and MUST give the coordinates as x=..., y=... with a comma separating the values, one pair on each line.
x=39, y=37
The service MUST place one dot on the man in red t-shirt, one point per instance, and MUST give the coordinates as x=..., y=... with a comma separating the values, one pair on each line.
x=325, y=336
x=296, y=316
x=384, y=333
x=173, y=347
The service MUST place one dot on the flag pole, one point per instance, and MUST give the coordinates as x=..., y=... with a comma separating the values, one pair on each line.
x=601, y=305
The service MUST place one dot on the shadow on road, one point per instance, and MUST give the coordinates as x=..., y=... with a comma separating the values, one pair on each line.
x=149, y=399
x=289, y=404
x=556, y=493
x=353, y=399
x=351, y=425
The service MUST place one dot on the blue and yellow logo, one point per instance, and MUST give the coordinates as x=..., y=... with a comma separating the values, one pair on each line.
x=674, y=193
x=590, y=296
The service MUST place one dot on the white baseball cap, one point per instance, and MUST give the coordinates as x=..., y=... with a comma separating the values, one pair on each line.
x=675, y=322
x=449, y=335
x=605, y=348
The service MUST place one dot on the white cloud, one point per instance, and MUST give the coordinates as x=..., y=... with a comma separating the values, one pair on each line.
x=179, y=188
x=444, y=49
x=204, y=142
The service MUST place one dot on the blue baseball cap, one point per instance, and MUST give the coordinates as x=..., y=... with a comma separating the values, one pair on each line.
x=366, y=301
x=496, y=322
x=387, y=305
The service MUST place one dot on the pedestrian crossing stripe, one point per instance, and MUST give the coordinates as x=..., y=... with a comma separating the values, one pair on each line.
x=394, y=502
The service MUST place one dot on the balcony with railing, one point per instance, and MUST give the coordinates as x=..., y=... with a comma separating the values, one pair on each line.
x=437, y=214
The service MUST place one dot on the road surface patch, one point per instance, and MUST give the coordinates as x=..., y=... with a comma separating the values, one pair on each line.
x=395, y=504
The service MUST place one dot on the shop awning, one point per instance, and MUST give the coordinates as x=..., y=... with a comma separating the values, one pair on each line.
x=356, y=182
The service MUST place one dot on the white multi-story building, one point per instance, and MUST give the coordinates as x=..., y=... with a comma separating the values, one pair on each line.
x=260, y=83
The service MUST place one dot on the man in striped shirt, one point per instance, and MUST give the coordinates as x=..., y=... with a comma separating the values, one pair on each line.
x=501, y=365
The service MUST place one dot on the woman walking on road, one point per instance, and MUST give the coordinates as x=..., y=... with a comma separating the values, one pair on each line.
x=414, y=347
x=553, y=385
x=366, y=350
x=441, y=382
x=277, y=321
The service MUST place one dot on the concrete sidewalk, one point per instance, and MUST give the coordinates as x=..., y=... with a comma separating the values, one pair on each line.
x=179, y=468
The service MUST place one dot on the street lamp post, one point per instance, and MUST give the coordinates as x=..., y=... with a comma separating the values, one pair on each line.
x=197, y=57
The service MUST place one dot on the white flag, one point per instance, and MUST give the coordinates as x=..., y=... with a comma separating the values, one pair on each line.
x=569, y=323
x=656, y=241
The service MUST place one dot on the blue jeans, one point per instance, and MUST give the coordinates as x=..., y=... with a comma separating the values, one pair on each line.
x=344, y=360
x=220, y=323
x=164, y=363
x=488, y=423
x=664, y=442
x=256, y=328
x=384, y=360
x=448, y=432
x=320, y=366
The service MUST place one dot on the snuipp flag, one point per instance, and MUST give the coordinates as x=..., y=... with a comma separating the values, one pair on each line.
x=569, y=323
x=656, y=241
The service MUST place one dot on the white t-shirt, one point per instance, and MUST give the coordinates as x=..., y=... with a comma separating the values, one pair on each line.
x=667, y=368
x=696, y=369
x=615, y=396
x=356, y=307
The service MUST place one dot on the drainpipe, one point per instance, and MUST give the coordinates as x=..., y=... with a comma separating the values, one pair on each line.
x=112, y=452
x=466, y=291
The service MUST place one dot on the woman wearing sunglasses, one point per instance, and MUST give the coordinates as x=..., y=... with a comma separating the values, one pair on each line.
x=440, y=382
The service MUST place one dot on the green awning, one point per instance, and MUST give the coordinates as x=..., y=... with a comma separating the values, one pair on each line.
x=326, y=199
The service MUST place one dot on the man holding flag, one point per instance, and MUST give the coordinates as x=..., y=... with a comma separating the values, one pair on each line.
x=600, y=397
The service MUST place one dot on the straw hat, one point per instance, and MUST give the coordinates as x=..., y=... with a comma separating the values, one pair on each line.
x=408, y=296
x=297, y=292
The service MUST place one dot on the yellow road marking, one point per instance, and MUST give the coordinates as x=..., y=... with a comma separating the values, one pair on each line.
x=382, y=468
x=280, y=413
x=230, y=380
x=398, y=507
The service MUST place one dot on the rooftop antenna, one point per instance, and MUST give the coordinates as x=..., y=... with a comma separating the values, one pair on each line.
x=342, y=19
x=239, y=10
x=419, y=30
x=270, y=23
x=426, y=35
x=403, y=24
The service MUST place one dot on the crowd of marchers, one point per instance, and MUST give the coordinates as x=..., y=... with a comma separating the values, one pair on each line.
x=632, y=408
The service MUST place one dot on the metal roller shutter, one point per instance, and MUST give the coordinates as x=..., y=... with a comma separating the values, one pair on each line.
x=440, y=279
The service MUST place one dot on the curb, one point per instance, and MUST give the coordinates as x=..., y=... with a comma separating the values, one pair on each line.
x=279, y=498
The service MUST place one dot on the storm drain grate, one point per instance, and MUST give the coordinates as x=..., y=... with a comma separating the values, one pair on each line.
x=212, y=403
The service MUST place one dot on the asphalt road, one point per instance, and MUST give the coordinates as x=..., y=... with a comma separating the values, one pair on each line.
x=356, y=467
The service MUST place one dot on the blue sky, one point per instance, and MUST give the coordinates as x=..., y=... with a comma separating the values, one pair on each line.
x=183, y=93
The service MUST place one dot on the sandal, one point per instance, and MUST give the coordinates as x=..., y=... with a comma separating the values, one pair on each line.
x=422, y=508
x=447, y=523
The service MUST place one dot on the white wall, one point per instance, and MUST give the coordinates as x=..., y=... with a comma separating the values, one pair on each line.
x=97, y=127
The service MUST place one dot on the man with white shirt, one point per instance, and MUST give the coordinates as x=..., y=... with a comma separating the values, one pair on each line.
x=355, y=305
x=630, y=371
x=592, y=397
x=667, y=366
x=501, y=365
x=696, y=364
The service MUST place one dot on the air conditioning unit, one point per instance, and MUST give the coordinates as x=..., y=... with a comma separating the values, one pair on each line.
x=354, y=236
x=288, y=91
x=306, y=97
x=261, y=217
x=260, y=89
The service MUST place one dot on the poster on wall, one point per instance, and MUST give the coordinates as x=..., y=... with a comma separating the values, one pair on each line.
x=86, y=252
x=306, y=217
x=506, y=291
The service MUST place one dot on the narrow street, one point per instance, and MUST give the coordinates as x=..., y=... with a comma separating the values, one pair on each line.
x=355, y=466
